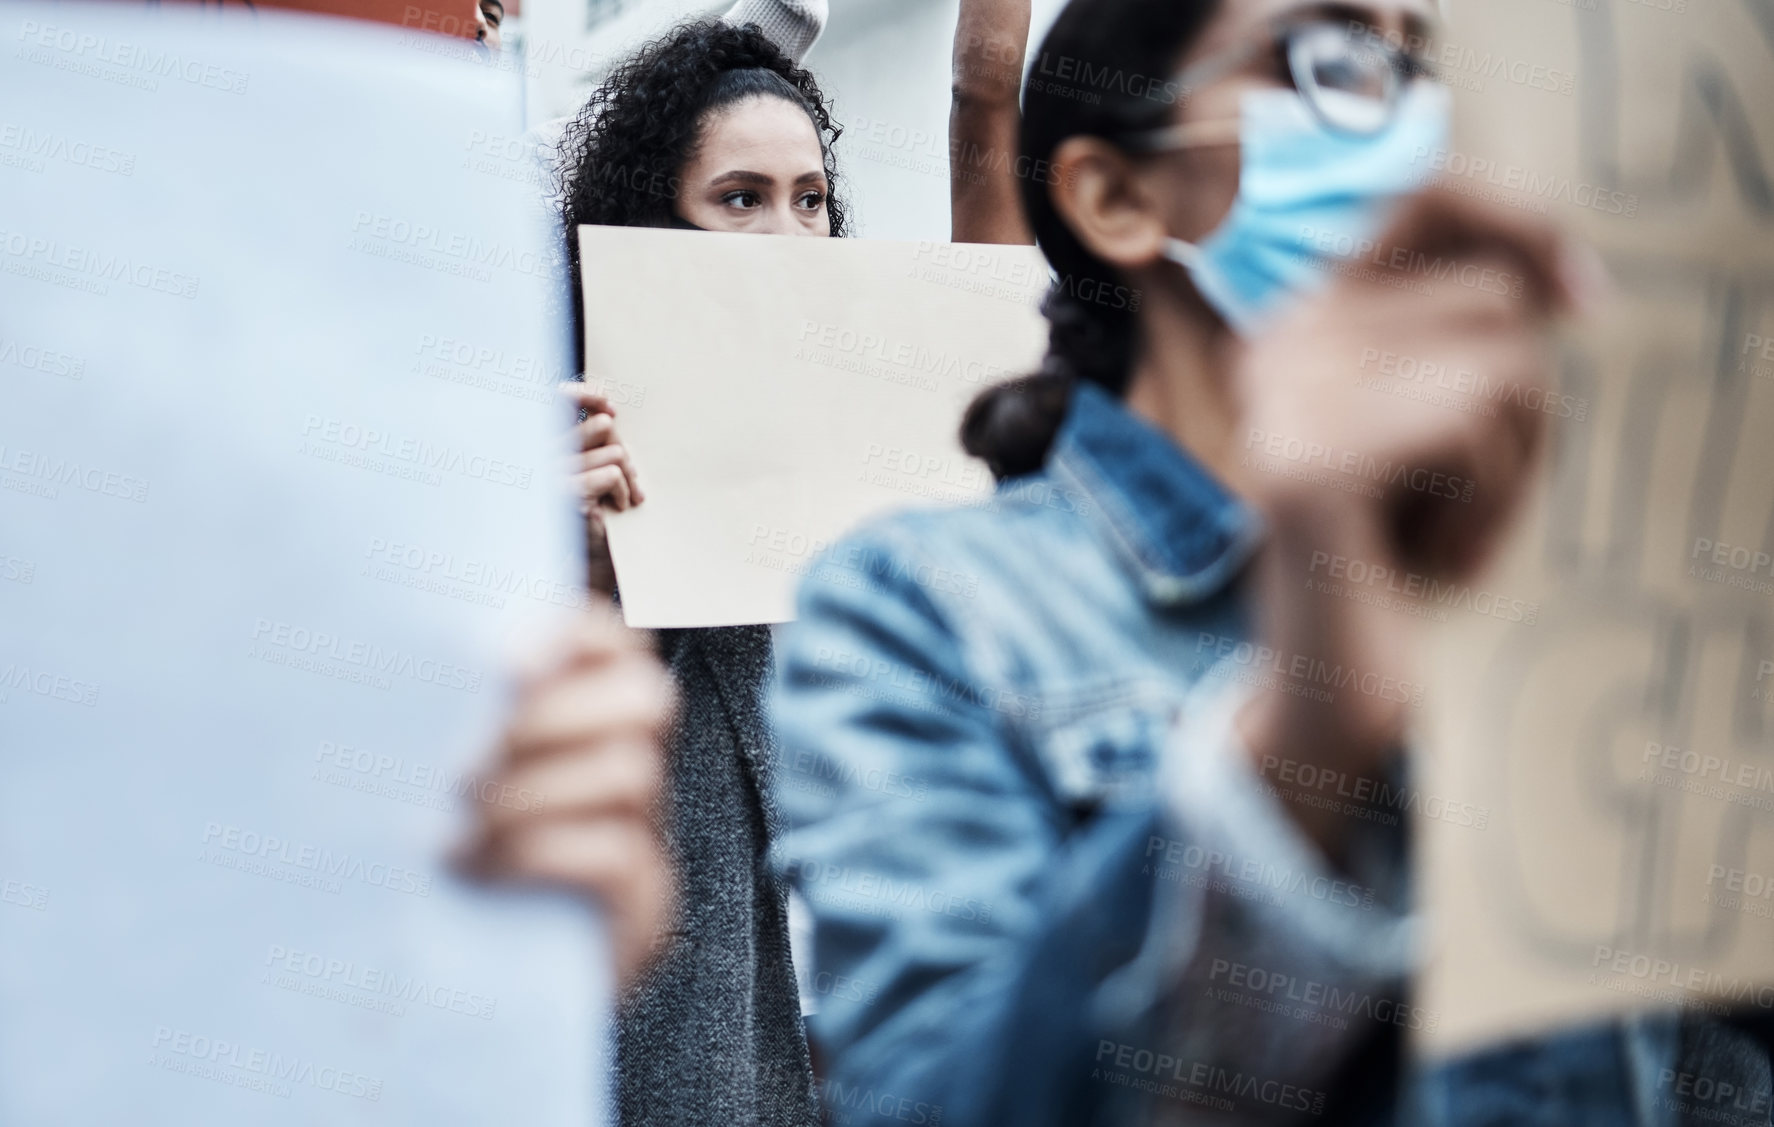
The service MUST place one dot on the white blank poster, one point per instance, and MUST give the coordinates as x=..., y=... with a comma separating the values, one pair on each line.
x=279, y=497
x=822, y=386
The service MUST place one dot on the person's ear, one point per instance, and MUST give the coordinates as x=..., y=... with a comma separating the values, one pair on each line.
x=1107, y=202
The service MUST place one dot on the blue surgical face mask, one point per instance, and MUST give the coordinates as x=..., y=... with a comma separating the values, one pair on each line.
x=1307, y=195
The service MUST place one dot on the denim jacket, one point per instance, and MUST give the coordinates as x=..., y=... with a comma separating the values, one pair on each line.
x=1047, y=886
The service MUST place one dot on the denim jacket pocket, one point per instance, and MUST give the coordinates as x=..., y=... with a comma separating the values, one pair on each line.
x=1099, y=742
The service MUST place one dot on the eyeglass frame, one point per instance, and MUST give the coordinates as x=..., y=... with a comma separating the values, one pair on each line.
x=1403, y=67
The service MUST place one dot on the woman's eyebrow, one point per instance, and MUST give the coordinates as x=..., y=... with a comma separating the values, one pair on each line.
x=741, y=176
x=810, y=178
x=1416, y=25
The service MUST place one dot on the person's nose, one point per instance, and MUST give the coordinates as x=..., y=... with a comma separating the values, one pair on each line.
x=780, y=221
x=787, y=220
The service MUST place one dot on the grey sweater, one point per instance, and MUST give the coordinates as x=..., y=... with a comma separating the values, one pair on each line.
x=712, y=1036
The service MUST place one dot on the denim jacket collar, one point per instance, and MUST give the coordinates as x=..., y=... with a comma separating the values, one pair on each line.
x=1182, y=534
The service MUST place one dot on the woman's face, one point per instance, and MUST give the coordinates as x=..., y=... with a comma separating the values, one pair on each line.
x=757, y=169
x=1205, y=177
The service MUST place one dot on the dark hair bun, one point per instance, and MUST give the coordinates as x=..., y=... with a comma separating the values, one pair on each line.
x=1011, y=426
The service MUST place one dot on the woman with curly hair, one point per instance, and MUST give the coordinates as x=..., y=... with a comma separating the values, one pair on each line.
x=715, y=127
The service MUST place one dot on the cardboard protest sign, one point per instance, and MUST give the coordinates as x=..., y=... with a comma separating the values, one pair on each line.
x=1605, y=697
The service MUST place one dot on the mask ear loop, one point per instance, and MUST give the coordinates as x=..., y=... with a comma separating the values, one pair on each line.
x=1174, y=138
x=1189, y=135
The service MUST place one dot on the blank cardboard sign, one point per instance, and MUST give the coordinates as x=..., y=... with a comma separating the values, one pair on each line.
x=777, y=391
x=1598, y=789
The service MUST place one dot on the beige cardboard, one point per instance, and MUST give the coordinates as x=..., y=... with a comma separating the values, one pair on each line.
x=775, y=392
x=1591, y=872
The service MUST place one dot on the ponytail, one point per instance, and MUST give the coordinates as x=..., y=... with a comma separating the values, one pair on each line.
x=1011, y=426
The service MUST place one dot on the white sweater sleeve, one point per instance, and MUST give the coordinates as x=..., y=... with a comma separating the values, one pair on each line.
x=793, y=25
x=1242, y=896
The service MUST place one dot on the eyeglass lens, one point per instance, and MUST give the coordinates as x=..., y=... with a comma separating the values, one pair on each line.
x=1348, y=79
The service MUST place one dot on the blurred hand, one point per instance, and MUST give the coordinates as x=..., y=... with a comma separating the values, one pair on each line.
x=603, y=478
x=1423, y=488
x=573, y=799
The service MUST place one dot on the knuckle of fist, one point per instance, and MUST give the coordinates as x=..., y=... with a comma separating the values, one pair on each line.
x=638, y=784
x=628, y=849
x=595, y=638
x=660, y=696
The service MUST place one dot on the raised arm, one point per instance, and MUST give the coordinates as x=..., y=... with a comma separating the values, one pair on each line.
x=990, y=39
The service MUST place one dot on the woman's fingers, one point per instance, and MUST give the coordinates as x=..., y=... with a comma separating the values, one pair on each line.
x=616, y=700
x=595, y=431
x=619, y=861
x=591, y=855
x=581, y=395
x=615, y=454
x=598, y=447
x=622, y=777
x=1444, y=225
x=604, y=471
x=574, y=798
x=595, y=637
x=606, y=485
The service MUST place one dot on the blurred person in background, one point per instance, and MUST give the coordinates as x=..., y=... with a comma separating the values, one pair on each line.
x=793, y=25
x=1051, y=844
x=488, y=16
x=711, y=127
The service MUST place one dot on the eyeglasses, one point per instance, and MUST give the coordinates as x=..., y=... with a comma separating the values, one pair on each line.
x=1348, y=74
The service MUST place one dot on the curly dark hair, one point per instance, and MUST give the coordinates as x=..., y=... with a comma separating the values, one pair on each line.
x=623, y=154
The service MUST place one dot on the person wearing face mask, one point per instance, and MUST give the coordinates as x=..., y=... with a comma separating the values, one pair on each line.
x=1048, y=813
x=644, y=787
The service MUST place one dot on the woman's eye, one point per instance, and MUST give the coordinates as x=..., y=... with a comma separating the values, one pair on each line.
x=813, y=201
x=741, y=199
